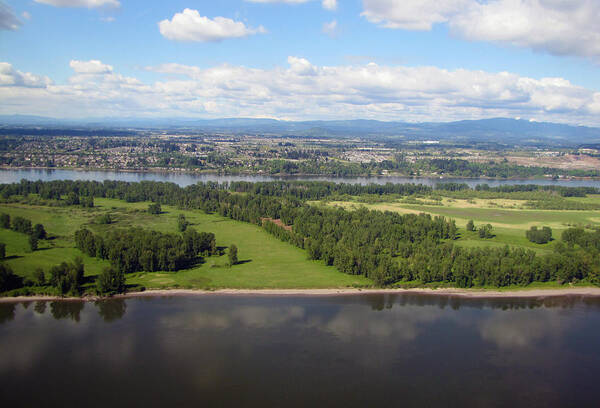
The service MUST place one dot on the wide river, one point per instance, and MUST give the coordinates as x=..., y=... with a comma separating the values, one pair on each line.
x=186, y=179
x=273, y=351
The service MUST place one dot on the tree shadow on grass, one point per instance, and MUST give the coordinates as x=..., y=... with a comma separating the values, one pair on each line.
x=243, y=261
x=8, y=258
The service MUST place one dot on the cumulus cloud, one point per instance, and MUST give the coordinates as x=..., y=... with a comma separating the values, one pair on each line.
x=8, y=21
x=81, y=3
x=93, y=67
x=11, y=77
x=559, y=27
x=330, y=28
x=189, y=25
x=302, y=90
x=411, y=14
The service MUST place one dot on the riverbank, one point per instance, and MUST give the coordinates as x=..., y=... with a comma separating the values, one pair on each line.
x=449, y=292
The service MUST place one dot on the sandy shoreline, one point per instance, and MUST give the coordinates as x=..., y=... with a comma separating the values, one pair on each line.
x=449, y=292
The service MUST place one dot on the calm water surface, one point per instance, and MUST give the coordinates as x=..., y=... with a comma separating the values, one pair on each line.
x=186, y=179
x=346, y=351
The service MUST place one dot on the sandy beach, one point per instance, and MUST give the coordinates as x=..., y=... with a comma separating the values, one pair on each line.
x=450, y=292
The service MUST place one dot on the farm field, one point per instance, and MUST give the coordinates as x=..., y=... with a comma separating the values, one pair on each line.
x=265, y=262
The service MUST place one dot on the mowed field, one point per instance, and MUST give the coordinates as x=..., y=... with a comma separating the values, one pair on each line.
x=509, y=219
x=265, y=262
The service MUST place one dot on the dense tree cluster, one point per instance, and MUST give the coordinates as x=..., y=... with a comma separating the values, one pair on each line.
x=137, y=249
x=110, y=281
x=68, y=277
x=539, y=236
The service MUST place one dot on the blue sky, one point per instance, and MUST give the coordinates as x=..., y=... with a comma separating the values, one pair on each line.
x=414, y=60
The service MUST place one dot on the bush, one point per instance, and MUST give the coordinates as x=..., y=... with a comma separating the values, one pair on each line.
x=470, y=226
x=2, y=250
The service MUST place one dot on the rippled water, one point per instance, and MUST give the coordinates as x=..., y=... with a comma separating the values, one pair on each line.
x=186, y=179
x=355, y=350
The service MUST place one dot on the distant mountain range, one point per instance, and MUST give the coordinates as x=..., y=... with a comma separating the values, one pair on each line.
x=498, y=130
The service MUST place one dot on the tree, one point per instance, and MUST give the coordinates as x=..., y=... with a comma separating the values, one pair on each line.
x=39, y=278
x=38, y=231
x=154, y=208
x=233, y=255
x=182, y=223
x=2, y=250
x=485, y=231
x=110, y=281
x=538, y=236
x=8, y=280
x=72, y=199
x=470, y=226
x=5, y=221
x=33, y=243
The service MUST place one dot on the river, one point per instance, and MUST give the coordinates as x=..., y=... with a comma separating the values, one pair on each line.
x=186, y=179
x=273, y=351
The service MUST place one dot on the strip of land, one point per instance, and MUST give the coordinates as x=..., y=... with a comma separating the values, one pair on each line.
x=449, y=292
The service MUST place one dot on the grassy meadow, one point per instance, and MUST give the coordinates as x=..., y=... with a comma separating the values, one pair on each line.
x=265, y=262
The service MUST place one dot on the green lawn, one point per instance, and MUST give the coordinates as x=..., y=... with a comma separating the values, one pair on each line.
x=266, y=262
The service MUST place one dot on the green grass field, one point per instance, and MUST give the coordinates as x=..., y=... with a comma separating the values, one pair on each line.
x=266, y=262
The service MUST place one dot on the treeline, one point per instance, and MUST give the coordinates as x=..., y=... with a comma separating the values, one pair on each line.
x=170, y=193
x=137, y=249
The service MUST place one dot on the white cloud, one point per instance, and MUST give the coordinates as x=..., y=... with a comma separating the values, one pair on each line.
x=8, y=20
x=330, y=28
x=11, y=77
x=330, y=4
x=189, y=25
x=559, y=27
x=93, y=67
x=327, y=4
x=26, y=15
x=81, y=3
x=411, y=14
x=299, y=91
